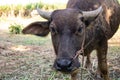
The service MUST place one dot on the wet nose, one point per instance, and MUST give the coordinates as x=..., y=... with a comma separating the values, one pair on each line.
x=64, y=65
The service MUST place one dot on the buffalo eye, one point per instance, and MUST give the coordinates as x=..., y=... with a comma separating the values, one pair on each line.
x=79, y=31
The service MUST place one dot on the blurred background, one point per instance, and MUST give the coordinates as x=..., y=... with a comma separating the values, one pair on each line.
x=4, y=2
x=14, y=11
x=19, y=12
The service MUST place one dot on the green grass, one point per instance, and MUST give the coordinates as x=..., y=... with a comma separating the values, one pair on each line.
x=36, y=63
x=28, y=65
x=25, y=39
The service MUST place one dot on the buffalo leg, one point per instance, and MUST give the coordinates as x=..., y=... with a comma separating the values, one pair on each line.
x=102, y=60
x=88, y=62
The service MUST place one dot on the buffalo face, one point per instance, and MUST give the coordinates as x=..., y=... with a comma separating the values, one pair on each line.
x=67, y=34
x=67, y=29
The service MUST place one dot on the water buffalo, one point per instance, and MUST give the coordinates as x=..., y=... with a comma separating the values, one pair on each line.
x=84, y=22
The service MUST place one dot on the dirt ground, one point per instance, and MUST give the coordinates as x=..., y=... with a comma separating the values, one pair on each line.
x=21, y=60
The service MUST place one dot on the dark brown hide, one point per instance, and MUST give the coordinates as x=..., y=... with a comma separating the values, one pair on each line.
x=67, y=30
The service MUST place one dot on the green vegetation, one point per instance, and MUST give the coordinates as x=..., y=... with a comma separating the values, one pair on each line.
x=15, y=28
x=25, y=10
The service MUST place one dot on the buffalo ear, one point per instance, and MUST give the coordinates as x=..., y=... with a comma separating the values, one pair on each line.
x=37, y=28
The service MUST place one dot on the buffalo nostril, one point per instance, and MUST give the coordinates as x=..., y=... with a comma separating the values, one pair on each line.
x=63, y=64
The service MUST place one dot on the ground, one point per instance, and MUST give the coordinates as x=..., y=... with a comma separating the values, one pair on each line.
x=28, y=57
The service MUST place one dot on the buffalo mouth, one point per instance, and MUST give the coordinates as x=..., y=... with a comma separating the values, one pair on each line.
x=66, y=70
x=74, y=71
x=66, y=65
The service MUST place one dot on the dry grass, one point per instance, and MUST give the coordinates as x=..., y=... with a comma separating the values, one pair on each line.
x=34, y=61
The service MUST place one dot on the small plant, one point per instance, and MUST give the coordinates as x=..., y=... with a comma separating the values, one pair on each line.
x=15, y=28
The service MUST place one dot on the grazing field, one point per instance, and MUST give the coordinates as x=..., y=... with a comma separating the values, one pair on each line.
x=27, y=57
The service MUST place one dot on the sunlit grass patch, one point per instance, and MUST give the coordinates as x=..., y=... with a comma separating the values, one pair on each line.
x=26, y=39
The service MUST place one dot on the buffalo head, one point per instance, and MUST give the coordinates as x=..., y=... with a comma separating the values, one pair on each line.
x=67, y=28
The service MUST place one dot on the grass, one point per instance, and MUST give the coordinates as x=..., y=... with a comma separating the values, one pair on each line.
x=28, y=65
x=25, y=39
x=35, y=62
